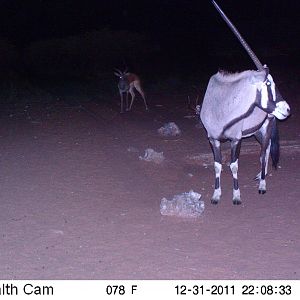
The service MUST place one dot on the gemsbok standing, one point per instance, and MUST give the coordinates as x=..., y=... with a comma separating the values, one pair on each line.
x=240, y=105
x=127, y=83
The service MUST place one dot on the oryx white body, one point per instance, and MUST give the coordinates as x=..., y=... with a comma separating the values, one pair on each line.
x=127, y=83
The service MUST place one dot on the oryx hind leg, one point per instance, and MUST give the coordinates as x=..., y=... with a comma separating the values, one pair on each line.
x=267, y=155
x=234, y=166
x=264, y=157
x=215, y=144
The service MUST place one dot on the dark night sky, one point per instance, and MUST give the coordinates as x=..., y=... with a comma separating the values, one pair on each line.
x=23, y=21
x=182, y=30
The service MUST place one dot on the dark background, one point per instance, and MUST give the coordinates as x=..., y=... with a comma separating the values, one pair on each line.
x=171, y=41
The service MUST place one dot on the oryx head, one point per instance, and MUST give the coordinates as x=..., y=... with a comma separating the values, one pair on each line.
x=270, y=99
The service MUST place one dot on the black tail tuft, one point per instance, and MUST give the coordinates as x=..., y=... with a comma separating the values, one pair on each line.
x=275, y=152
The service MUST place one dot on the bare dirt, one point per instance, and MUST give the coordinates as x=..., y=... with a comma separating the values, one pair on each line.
x=78, y=203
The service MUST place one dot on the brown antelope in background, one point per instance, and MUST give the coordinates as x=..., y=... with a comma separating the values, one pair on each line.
x=127, y=83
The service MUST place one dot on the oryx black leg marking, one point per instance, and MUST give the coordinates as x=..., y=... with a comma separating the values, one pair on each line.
x=235, y=152
x=215, y=144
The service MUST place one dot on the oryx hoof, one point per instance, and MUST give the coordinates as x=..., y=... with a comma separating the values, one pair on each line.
x=261, y=192
x=236, y=201
x=216, y=196
x=215, y=201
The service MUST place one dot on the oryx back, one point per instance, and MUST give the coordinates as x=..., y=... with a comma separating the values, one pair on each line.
x=228, y=106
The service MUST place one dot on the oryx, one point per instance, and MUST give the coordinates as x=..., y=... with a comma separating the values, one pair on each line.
x=240, y=105
x=127, y=83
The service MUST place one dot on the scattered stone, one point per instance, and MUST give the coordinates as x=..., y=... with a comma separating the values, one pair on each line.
x=132, y=149
x=187, y=205
x=153, y=156
x=169, y=129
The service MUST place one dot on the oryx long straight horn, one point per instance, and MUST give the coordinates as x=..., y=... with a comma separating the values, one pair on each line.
x=240, y=38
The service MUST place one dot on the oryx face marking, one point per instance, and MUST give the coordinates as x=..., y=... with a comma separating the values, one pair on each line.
x=282, y=110
x=267, y=90
x=271, y=101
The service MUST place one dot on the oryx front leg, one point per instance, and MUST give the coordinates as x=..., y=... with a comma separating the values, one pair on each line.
x=218, y=169
x=264, y=158
x=217, y=192
x=234, y=166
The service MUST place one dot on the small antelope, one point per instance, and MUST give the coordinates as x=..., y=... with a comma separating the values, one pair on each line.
x=127, y=83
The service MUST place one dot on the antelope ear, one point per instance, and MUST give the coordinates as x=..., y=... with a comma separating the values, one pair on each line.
x=117, y=74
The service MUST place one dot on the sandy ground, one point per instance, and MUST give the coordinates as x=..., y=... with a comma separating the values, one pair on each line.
x=78, y=203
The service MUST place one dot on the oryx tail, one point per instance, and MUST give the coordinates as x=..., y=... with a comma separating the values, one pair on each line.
x=274, y=149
